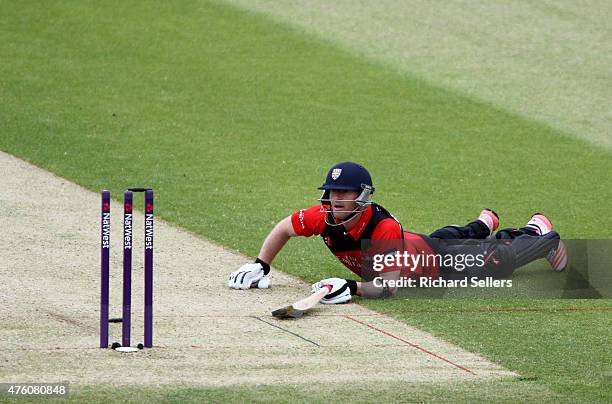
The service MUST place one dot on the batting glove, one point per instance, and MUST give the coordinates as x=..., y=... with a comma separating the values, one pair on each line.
x=250, y=276
x=341, y=292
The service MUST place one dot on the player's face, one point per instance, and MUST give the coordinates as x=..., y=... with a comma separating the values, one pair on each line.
x=342, y=202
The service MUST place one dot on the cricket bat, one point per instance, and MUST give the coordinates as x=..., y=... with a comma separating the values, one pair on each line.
x=297, y=309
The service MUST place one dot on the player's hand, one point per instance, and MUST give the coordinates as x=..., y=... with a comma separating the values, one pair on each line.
x=249, y=276
x=340, y=292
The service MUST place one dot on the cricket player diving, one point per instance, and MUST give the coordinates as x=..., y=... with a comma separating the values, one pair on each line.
x=347, y=220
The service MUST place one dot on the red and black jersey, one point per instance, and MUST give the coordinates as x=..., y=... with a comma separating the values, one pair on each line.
x=376, y=226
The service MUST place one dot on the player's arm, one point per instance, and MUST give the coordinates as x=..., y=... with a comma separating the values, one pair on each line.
x=276, y=240
x=343, y=289
x=306, y=223
x=386, y=237
x=379, y=288
x=254, y=274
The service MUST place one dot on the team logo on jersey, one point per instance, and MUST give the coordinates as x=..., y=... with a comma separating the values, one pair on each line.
x=336, y=173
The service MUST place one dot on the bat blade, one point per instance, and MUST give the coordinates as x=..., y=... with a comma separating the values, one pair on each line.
x=288, y=312
x=297, y=309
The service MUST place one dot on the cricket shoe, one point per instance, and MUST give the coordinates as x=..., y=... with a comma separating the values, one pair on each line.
x=490, y=219
x=557, y=257
x=540, y=224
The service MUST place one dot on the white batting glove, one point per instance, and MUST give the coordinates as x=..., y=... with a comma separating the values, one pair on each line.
x=318, y=285
x=264, y=283
x=248, y=276
x=340, y=292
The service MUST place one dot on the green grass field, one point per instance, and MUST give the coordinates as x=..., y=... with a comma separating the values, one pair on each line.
x=235, y=119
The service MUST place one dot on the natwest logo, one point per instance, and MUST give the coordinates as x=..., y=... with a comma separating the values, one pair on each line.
x=106, y=230
x=149, y=231
x=127, y=231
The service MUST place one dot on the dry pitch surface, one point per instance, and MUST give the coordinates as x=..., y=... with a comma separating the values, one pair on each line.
x=204, y=333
